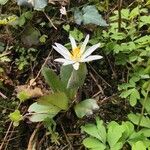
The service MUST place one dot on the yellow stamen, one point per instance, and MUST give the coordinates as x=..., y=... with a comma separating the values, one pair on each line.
x=76, y=53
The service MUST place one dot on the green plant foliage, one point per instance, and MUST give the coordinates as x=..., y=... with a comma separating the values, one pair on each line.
x=16, y=117
x=22, y=96
x=85, y=107
x=73, y=79
x=114, y=136
x=24, y=18
x=30, y=36
x=43, y=38
x=26, y=55
x=40, y=4
x=57, y=99
x=93, y=144
x=29, y=28
x=77, y=34
x=8, y=19
x=37, y=4
x=134, y=96
x=3, y=2
x=89, y=15
x=53, y=80
x=50, y=124
x=39, y=112
x=139, y=146
x=145, y=121
x=77, y=77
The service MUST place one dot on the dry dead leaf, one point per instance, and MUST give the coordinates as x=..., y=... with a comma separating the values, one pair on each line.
x=24, y=92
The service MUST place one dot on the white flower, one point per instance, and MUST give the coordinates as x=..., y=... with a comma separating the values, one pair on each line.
x=31, y=2
x=78, y=54
x=63, y=11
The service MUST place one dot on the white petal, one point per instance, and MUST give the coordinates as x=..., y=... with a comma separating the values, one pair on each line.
x=61, y=52
x=76, y=66
x=64, y=61
x=73, y=42
x=68, y=62
x=64, y=49
x=84, y=44
x=92, y=57
x=90, y=50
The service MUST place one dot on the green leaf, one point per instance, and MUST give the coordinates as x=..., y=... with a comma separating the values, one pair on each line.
x=89, y=15
x=53, y=80
x=129, y=129
x=40, y=4
x=125, y=13
x=101, y=129
x=134, y=96
x=3, y=2
x=115, y=132
x=76, y=34
x=145, y=132
x=135, y=136
x=8, y=20
x=117, y=146
x=65, y=74
x=77, y=77
x=43, y=38
x=145, y=121
x=125, y=94
x=92, y=130
x=25, y=3
x=37, y=4
x=73, y=79
x=85, y=107
x=16, y=117
x=143, y=40
x=93, y=144
x=139, y=146
x=30, y=36
x=146, y=105
x=134, y=12
x=40, y=112
x=22, y=96
x=66, y=27
x=57, y=99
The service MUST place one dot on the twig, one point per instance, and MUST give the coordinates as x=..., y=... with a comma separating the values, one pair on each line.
x=50, y=20
x=100, y=88
x=99, y=76
x=66, y=137
x=96, y=94
x=119, y=14
x=5, y=138
x=114, y=74
x=3, y=96
x=40, y=69
x=8, y=130
x=30, y=144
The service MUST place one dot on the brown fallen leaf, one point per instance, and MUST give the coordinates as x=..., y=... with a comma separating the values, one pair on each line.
x=24, y=92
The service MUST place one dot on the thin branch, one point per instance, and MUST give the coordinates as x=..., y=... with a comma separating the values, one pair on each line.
x=96, y=82
x=71, y=147
x=2, y=95
x=50, y=20
x=40, y=69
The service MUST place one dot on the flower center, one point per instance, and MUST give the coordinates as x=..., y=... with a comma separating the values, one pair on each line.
x=76, y=54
